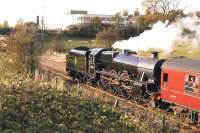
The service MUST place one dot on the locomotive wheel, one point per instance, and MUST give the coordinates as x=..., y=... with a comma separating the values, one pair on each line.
x=104, y=85
x=88, y=81
x=124, y=93
x=115, y=89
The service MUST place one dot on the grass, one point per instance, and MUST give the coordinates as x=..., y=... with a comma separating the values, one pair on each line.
x=186, y=50
x=67, y=43
x=179, y=49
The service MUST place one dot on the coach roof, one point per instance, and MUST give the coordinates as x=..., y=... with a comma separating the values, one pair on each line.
x=184, y=64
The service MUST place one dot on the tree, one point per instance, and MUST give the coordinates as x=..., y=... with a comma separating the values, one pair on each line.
x=86, y=30
x=146, y=21
x=107, y=37
x=136, y=12
x=129, y=30
x=150, y=5
x=96, y=23
x=118, y=21
x=5, y=24
x=165, y=6
x=160, y=10
x=125, y=13
x=4, y=28
x=23, y=46
x=161, y=6
x=173, y=15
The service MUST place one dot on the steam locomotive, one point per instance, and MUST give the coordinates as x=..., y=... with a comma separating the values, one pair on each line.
x=172, y=82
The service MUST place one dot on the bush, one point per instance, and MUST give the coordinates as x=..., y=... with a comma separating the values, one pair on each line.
x=31, y=108
x=81, y=31
x=130, y=31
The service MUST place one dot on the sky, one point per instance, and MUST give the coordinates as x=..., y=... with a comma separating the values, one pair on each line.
x=55, y=10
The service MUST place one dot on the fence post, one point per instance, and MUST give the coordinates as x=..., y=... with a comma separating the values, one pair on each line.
x=163, y=125
x=78, y=87
x=116, y=103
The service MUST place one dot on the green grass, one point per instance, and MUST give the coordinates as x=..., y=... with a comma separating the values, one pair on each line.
x=186, y=50
x=67, y=43
x=179, y=49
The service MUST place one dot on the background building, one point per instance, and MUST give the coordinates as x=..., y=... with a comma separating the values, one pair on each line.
x=82, y=17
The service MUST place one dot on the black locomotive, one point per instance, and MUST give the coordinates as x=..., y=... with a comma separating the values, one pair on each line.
x=123, y=73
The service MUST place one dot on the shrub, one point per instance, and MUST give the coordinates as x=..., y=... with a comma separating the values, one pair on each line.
x=107, y=37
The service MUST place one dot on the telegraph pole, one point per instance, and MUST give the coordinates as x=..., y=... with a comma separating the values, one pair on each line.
x=42, y=35
x=42, y=31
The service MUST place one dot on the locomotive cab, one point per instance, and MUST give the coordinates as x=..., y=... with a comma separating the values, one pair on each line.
x=77, y=61
x=94, y=62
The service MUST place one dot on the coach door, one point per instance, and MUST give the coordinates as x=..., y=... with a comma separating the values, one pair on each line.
x=165, y=80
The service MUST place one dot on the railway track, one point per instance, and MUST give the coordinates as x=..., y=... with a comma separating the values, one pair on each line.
x=144, y=112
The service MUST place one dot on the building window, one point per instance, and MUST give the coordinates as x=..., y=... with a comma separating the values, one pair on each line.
x=191, y=84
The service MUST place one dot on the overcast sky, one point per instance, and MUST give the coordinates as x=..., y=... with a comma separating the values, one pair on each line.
x=54, y=10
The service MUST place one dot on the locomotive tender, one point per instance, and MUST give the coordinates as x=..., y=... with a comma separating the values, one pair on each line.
x=173, y=82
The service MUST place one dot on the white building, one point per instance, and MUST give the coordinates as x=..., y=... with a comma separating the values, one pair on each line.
x=82, y=17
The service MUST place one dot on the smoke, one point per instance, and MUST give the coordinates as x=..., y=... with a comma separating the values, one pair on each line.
x=163, y=36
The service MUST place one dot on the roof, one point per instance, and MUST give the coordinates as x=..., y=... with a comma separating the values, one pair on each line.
x=95, y=51
x=184, y=64
x=93, y=15
x=78, y=12
x=79, y=50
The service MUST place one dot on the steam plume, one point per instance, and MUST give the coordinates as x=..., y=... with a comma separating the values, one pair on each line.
x=163, y=35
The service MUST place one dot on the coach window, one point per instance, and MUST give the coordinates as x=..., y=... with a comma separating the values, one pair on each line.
x=191, y=84
x=165, y=78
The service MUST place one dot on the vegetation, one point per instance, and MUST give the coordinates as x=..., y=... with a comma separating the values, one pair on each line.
x=161, y=6
x=86, y=31
x=64, y=44
x=28, y=107
x=130, y=30
x=160, y=10
x=146, y=21
x=107, y=37
x=4, y=28
x=21, y=50
x=23, y=44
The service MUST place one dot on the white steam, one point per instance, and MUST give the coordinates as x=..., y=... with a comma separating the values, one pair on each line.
x=162, y=36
